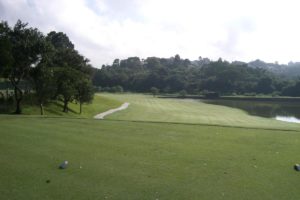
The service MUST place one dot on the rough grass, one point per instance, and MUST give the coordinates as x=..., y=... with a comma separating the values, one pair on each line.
x=136, y=160
x=148, y=108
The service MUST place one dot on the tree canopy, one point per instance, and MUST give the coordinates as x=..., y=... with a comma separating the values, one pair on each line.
x=50, y=63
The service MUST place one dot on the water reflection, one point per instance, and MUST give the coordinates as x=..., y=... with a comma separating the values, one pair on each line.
x=284, y=111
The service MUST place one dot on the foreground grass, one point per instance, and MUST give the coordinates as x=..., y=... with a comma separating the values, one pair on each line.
x=138, y=160
x=148, y=108
x=156, y=149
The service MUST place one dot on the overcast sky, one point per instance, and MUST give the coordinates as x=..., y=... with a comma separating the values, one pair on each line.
x=106, y=29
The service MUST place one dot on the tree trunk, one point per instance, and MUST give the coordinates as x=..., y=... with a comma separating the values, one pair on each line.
x=18, y=94
x=42, y=108
x=18, y=98
x=7, y=94
x=65, y=106
x=80, y=107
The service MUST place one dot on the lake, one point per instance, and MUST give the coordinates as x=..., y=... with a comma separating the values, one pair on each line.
x=283, y=111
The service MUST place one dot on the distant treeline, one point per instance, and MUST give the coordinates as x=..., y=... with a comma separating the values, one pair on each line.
x=174, y=75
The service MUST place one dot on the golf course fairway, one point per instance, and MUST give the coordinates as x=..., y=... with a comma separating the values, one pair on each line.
x=153, y=109
x=155, y=149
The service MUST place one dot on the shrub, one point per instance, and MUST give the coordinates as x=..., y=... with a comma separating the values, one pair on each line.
x=117, y=89
x=182, y=94
x=154, y=91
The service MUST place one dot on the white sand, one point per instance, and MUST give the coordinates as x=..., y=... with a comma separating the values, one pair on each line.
x=102, y=115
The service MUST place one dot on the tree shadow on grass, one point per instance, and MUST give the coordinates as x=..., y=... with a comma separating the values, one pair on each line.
x=59, y=109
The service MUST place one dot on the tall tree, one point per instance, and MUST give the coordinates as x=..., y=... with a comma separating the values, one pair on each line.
x=116, y=63
x=42, y=76
x=60, y=40
x=85, y=92
x=44, y=84
x=70, y=67
x=66, y=85
x=26, y=47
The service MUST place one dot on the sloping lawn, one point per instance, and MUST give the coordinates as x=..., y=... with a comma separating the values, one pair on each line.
x=148, y=108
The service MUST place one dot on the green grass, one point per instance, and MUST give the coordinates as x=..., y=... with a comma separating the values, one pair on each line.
x=136, y=160
x=148, y=108
x=159, y=154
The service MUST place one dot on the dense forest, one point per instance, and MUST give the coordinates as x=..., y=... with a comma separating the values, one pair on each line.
x=173, y=75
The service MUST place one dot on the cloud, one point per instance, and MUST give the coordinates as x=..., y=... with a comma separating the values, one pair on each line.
x=106, y=29
x=235, y=31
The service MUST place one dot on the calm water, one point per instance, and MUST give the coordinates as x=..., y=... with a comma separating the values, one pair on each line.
x=283, y=111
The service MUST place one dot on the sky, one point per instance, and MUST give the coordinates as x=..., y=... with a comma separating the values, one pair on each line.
x=103, y=30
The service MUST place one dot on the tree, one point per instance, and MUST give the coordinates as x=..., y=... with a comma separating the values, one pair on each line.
x=60, y=40
x=6, y=58
x=44, y=83
x=66, y=55
x=154, y=91
x=177, y=59
x=117, y=89
x=132, y=62
x=73, y=84
x=265, y=85
x=116, y=63
x=26, y=47
x=182, y=94
x=66, y=85
x=292, y=90
x=85, y=92
x=42, y=76
x=70, y=69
